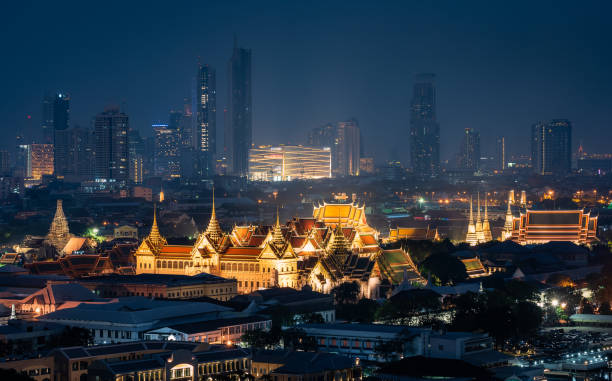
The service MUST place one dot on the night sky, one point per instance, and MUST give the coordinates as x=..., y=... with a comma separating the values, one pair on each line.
x=500, y=66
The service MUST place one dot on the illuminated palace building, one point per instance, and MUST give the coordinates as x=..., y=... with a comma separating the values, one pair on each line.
x=334, y=246
x=286, y=163
x=542, y=226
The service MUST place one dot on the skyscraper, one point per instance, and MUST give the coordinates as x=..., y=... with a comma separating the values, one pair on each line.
x=424, y=129
x=348, y=148
x=239, y=130
x=470, y=150
x=501, y=153
x=111, y=142
x=61, y=135
x=81, y=154
x=206, y=125
x=167, y=146
x=551, y=147
x=136, y=149
x=47, y=120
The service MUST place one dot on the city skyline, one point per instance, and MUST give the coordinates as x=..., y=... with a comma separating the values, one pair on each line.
x=294, y=91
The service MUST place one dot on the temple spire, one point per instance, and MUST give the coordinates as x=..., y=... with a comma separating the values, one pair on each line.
x=213, y=230
x=471, y=236
x=277, y=234
x=155, y=237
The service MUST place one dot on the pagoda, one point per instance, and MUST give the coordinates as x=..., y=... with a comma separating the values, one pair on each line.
x=471, y=237
x=486, y=228
x=59, y=234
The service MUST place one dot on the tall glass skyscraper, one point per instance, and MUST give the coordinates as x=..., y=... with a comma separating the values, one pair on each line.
x=239, y=129
x=111, y=143
x=470, y=150
x=424, y=129
x=551, y=147
x=206, y=125
x=61, y=134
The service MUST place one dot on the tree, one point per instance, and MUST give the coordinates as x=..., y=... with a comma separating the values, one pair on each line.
x=604, y=309
x=404, y=306
x=560, y=280
x=445, y=267
x=346, y=293
x=71, y=337
x=363, y=312
x=259, y=339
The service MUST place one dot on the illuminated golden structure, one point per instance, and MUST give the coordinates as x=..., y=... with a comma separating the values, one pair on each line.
x=334, y=246
x=542, y=226
x=480, y=231
x=417, y=234
x=286, y=163
x=59, y=234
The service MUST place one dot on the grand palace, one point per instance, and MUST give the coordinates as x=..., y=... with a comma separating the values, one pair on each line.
x=334, y=246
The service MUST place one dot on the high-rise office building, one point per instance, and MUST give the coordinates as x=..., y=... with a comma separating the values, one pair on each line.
x=469, y=155
x=80, y=154
x=501, y=153
x=47, y=119
x=551, y=147
x=167, y=151
x=323, y=136
x=61, y=134
x=136, y=150
x=239, y=130
x=187, y=125
x=111, y=146
x=424, y=128
x=348, y=148
x=40, y=162
x=206, y=122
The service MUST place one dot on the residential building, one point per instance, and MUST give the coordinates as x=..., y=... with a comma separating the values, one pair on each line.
x=551, y=147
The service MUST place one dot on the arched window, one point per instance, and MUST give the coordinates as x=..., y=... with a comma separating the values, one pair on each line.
x=174, y=265
x=164, y=264
x=222, y=266
x=239, y=266
x=180, y=264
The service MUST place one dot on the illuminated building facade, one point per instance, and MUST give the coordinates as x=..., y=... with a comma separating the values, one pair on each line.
x=206, y=123
x=542, y=226
x=39, y=161
x=167, y=152
x=334, y=246
x=286, y=163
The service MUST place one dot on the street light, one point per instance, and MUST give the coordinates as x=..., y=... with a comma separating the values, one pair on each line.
x=555, y=302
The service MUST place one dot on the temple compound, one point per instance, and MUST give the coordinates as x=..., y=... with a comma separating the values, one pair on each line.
x=480, y=231
x=543, y=226
x=336, y=245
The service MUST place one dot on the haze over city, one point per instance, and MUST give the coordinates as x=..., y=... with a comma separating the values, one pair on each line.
x=500, y=67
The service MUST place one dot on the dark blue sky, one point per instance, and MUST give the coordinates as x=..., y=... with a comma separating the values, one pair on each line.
x=500, y=65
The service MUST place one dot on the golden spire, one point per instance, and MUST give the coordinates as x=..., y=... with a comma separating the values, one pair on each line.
x=154, y=237
x=277, y=235
x=213, y=230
